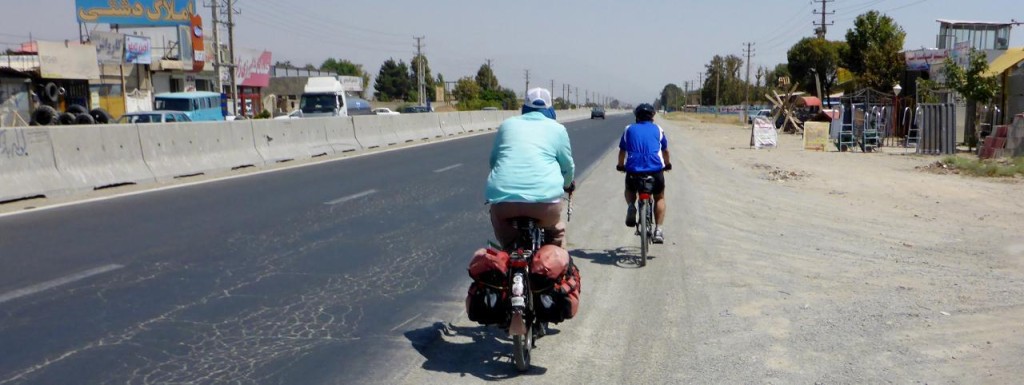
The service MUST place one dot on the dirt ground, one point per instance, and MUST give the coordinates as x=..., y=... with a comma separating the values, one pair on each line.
x=916, y=275
x=780, y=266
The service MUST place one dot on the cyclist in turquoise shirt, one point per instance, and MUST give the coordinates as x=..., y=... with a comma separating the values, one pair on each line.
x=531, y=166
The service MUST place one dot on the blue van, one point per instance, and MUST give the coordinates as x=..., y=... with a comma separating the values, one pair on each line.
x=199, y=106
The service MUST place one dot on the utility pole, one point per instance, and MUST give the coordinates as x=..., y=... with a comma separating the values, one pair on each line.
x=422, y=90
x=700, y=88
x=718, y=81
x=823, y=26
x=577, y=96
x=231, y=51
x=527, y=72
x=686, y=93
x=746, y=98
x=215, y=7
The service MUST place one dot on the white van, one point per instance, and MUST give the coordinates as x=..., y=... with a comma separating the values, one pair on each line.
x=323, y=96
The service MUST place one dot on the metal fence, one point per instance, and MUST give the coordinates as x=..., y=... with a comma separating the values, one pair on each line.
x=932, y=128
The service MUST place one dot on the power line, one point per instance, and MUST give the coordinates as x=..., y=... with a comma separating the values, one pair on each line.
x=309, y=20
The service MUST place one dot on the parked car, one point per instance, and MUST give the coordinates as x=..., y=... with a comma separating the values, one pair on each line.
x=154, y=117
x=415, y=109
x=597, y=112
x=384, y=111
x=199, y=105
x=760, y=113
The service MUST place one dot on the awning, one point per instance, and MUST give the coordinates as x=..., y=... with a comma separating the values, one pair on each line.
x=809, y=101
x=1005, y=61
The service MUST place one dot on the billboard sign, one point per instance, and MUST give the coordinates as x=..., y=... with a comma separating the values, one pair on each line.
x=253, y=67
x=109, y=47
x=148, y=13
x=58, y=60
x=138, y=50
x=924, y=59
x=351, y=83
x=198, y=47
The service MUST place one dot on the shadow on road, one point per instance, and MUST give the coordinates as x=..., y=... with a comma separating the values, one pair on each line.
x=621, y=256
x=486, y=354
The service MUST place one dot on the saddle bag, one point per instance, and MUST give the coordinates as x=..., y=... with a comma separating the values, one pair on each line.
x=489, y=266
x=486, y=304
x=559, y=301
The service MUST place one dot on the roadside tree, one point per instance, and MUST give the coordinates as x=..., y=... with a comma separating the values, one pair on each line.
x=974, y=86
x=812, y=56
x=392, y=82
x=874, y=56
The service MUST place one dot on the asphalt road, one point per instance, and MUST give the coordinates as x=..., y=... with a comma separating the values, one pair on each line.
x=312, y=275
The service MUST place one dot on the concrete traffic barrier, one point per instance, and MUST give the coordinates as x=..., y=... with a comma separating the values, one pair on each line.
x=374, y=131
x=27, y=165
x=185, y=149
x=451, y=125
x=414, y=127
x=96, y=156
x=468, y=124
x=341, y=134
x=289, y=139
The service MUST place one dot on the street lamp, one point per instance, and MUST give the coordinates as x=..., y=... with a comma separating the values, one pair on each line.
x=896, y=109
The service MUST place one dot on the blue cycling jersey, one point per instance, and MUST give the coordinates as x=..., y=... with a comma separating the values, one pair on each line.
x=643, y=143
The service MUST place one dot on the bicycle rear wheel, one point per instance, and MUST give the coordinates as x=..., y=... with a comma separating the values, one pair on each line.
x=521, y=349
x=645, y=233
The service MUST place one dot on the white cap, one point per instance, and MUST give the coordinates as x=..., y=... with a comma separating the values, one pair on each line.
x=538, y=98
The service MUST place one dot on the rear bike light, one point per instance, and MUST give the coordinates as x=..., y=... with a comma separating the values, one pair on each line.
x=645, y=196
x=518, y=263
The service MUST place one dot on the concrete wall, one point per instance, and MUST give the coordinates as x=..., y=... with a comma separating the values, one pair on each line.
x=56, y=161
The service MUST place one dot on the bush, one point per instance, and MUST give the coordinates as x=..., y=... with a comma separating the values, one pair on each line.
x=1005, y=168
x=477, y=104
x=262, y=115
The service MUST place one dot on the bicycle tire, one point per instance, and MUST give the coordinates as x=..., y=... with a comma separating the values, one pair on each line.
x=521, y=349
x=644, y=233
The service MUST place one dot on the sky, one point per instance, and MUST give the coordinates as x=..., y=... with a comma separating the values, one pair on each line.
x=627, y=50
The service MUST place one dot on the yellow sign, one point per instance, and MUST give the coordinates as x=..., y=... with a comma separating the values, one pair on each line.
x=816, y=135
x=136, y=12
x=843, y=75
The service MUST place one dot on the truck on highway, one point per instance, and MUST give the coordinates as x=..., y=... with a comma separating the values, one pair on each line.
x=323, y=97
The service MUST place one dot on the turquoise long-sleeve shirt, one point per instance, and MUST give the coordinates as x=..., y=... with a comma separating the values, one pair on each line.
x=531, y=160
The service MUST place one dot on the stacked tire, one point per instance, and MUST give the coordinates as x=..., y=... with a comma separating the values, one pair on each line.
x=76, y=114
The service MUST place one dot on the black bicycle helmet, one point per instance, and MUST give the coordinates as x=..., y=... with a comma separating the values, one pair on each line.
x=644, y=113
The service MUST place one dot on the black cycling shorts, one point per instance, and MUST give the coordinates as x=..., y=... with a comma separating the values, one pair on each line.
x=633, y=181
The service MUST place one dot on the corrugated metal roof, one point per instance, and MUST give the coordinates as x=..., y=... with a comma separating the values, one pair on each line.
x=988, y=23
x=1005, y=61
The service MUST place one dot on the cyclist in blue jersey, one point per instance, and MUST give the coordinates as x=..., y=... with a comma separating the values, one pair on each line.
x=531, y=166
x=643, y=150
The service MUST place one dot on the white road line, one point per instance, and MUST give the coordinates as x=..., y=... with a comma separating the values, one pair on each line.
x=452, y=167
x=406, y=322
x=57, y=282
x=350, y=197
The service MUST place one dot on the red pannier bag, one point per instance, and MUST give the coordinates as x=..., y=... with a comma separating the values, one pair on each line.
x=486, y=300
x=558, y=299
x=550, y=262
x=489, y=266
